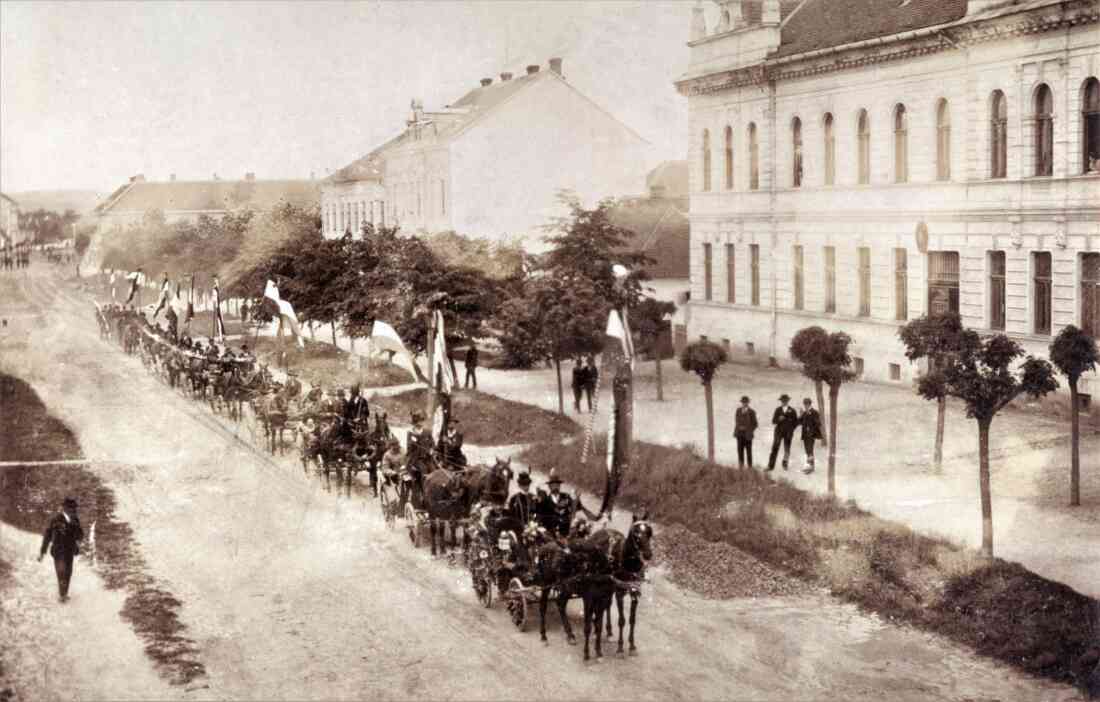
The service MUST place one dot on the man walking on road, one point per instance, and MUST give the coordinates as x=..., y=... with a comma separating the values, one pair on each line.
x=744, y=425
x=811, y=432
x=471, y=366
x=785, y=420
x=591, y=378
x=62, y=537
x=579, y=376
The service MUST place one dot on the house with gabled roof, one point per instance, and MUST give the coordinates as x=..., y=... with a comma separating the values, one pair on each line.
x=491, y=164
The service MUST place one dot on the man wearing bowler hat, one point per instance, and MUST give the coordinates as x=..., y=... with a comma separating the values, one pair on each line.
x=785, y=419
x=62, y=537
x=811, y=432
x=744, y=425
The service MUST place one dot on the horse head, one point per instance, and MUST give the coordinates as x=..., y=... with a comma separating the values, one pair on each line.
x=500, y=478
x=639, y=538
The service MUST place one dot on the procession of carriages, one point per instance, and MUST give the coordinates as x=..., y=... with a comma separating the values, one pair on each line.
x=528, y=558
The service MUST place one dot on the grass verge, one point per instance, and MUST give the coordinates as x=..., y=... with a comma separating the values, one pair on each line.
x=32, y=494
x=323, y=363
x=1000, y=609
x=487, y=420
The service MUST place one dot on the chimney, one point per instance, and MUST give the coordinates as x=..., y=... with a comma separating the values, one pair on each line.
x=504, y=77
x=486, y=82
x=250, y=177
x=139, y=178
x=698, y=23
x=171, y=177
x=532, y=69
x=769, y=14
x=555, y=65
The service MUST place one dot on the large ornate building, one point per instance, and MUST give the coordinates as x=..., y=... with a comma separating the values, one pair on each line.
x=858, y=163
x=490, y=164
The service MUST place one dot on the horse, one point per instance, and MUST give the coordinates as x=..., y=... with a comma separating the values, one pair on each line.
x=581, y=569
x=628, y=556
x=489, y=484
x=447, y=499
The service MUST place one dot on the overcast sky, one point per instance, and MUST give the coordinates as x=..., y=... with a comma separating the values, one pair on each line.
x=92, y=93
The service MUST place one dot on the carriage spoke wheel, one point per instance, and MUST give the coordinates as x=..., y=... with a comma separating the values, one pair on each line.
x=413, y=524
x=517, y=604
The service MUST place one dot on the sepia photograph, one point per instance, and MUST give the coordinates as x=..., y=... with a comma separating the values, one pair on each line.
x=563, y=350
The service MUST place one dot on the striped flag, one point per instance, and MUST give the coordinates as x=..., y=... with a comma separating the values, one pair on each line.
x=286, y=312
x=163, y=300
x=135, y=281
x=219, y=324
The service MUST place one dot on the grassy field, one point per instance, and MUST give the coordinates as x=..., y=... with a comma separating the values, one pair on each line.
x=487, y=420
x=323, y=363
x=32, y=494
x=1000, y=609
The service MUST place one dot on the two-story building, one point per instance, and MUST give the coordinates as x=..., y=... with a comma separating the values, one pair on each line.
x=490, y=164
x=857, y=164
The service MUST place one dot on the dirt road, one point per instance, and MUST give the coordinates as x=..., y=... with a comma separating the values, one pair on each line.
x=294, y=593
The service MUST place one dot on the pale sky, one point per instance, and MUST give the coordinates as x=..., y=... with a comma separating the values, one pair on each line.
x=92, y=93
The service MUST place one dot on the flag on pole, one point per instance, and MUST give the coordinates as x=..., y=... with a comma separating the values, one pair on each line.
x=383, y=337
x=286, y=311
x=178, y=305
x=219, y=325
x=163, y=300
x=618, y=328
x=135, y=281
x=444, y=375
x=190, y=303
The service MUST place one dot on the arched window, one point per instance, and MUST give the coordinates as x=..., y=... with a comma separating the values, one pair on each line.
x=729, y=157
x=943, y=141
x=754, y=159
x=864, y=132
x=1090, y=127
x=901, y=145
x=796, y=147
x=706, y=160
x=1044, y=131
x=830, y=151
x=998, y=135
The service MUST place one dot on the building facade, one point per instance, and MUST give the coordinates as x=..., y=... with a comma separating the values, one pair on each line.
x=857, y=164
x=490, y=164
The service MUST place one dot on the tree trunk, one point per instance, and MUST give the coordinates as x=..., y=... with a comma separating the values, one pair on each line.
x=1075, y=451
x=834, y=395
x=826, y=429
x=941, y=416
x=333, y=323
x=983, y=482
x=660, y=383
x=561, y=400
x=709, y=394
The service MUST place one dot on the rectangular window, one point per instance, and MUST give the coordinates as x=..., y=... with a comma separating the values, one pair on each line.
x=901, y=285
x=830, y=279
x=997, y=290
x=382, y=212
x=754, y=260
x=1042, y=267
x=857, y=366
x=798, y=280
x=1090, y=293
x=943, y=282
x=895, y=371
x=864, y=281
x=731, y=274
x=706, y=272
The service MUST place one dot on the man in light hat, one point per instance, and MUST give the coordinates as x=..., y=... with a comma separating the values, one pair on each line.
x=744, y=426
x=63, y=536
x=785, y=419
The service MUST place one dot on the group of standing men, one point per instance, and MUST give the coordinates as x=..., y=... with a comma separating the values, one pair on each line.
x=785, y=421
x=585, y=378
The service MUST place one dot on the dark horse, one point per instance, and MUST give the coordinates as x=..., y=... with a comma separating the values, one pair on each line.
x=581, y=569
x=450, y=495
x=628, y=562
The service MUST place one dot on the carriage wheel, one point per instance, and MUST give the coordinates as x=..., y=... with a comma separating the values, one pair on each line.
x=517, y=604
x=414, y=525
x=483, y=587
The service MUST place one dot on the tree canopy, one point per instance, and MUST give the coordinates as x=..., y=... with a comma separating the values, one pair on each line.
x=823, y=356
x=703, y=359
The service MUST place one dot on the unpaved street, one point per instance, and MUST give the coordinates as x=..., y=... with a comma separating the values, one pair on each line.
x=294, y=593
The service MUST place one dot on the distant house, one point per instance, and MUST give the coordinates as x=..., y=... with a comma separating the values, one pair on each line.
x=9, y=221
x=490, y=164
x=662, y=231
x=188, y=200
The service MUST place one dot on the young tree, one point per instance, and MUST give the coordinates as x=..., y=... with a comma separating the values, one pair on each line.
x=824, y=358
x=1074, y=352
x=981, y=375
x=648, y=319
x=703, y=359
x=935, y=338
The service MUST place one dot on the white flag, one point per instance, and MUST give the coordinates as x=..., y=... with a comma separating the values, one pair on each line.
x=286, y=311
x=617, y=329
x=442, y=363
x=383, y=337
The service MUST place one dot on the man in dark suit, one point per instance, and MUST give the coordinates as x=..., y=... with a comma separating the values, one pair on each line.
x=356, y=411
x=471, y=366
x=450, y=447
x=591, y=379
x=811, y=432
x=579, y=375
x=62, y=537
x=785, y=419
x=521, y=504
x=744, y=426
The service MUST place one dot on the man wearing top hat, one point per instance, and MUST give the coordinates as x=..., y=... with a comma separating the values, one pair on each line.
x=62, y=537
x=744, y=426
x=785, y=419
